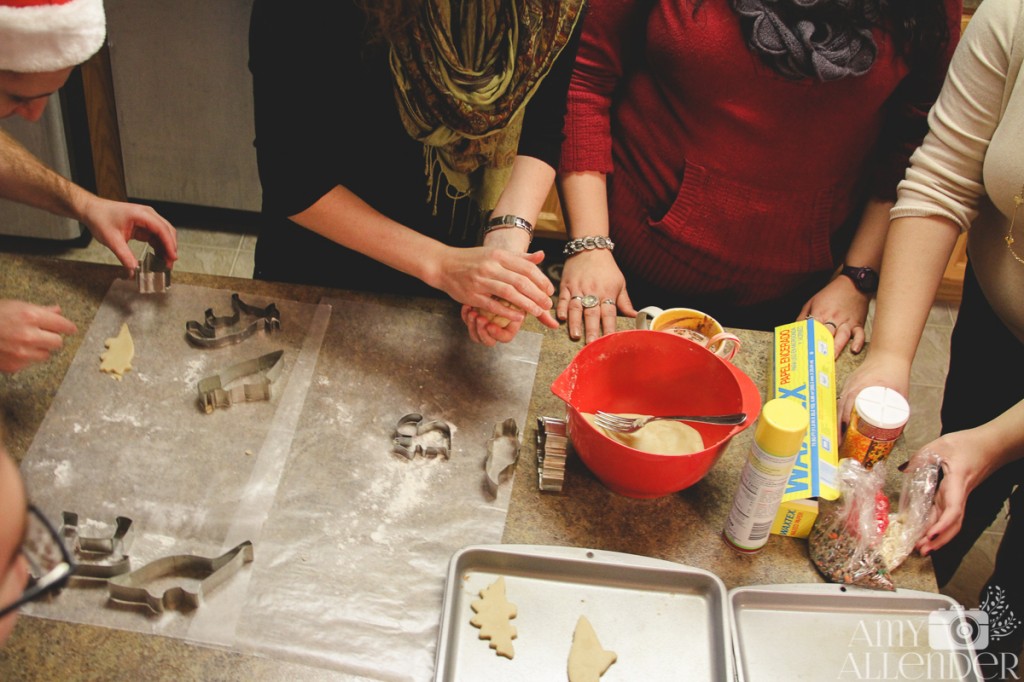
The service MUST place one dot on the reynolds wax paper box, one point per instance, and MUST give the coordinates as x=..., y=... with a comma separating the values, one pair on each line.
x=804, y=370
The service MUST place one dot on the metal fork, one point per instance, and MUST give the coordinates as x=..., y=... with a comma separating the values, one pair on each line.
x=616, y=422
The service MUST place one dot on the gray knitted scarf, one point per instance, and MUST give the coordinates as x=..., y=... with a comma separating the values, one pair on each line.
x=809, y=38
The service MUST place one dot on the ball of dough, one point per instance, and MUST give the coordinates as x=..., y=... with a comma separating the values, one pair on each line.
x=657, y=438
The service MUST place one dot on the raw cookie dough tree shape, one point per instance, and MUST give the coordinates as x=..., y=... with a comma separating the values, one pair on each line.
x=493, y=613
x=117, y=359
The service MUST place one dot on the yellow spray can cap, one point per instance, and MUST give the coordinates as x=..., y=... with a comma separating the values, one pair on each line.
x=782, y=426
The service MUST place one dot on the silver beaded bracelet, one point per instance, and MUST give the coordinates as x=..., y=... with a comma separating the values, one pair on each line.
x=574, y=246
x=501, y=221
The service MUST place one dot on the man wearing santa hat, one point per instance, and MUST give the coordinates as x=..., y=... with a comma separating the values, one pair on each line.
x=41, y=41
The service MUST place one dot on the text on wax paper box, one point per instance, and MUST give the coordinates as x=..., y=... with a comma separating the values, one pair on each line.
x=805, y=370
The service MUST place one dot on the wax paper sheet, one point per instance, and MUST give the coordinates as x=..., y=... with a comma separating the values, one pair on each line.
x=351, y=540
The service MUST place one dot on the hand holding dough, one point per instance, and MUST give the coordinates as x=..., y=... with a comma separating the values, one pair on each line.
x=587, y=659
x=498, y=319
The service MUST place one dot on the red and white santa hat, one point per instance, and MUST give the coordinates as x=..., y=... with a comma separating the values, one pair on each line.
x=49, y=35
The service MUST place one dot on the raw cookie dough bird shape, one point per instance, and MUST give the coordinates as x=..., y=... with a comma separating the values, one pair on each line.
x=588, y=660
x=493, y=613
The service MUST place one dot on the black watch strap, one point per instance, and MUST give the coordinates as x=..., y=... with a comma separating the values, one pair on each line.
x=865, y=279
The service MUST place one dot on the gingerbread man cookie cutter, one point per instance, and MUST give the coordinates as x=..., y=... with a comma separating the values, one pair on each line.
x=416, y=436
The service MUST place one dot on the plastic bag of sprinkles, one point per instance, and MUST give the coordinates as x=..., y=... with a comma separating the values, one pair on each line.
x=858, y=541
x=846, y=540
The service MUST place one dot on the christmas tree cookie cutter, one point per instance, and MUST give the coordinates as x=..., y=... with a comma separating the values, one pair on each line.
x=152, y=274
x=216, y=332
x=216, y=391
x=130, y=588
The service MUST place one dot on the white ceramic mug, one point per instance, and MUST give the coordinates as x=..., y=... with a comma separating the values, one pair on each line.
x=691, y=324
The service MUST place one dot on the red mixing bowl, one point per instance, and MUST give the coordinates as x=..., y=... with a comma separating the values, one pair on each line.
x=651, y=372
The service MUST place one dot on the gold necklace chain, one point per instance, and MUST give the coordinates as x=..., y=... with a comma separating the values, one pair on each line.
x=1018, y=199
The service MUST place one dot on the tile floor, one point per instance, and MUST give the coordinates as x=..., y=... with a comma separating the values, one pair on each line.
x=209, y=248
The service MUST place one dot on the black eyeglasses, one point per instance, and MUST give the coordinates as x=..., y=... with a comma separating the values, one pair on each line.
x=50, y=563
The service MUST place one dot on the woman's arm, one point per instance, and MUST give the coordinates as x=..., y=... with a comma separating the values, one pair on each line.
x=969, y=457
x=612, y=42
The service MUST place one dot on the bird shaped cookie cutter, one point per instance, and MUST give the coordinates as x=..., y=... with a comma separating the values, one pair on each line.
x=216, y=332
x=131, y=587
x=216, y=391
x=502, y=454
x=415, y=436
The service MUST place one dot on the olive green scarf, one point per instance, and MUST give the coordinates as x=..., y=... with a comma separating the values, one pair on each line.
x=463, y=76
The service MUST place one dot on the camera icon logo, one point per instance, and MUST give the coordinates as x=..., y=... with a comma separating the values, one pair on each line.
x=948, y=631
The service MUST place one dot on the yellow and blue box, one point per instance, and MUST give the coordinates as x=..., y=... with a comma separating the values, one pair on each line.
x=804, y=369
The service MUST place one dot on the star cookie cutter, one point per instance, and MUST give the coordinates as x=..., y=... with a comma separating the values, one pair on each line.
x=152, y=274
x=99, y=557
x=215, y=391
x=414, y=436
x=502, y=453
x=130, y=587
x=217, y=332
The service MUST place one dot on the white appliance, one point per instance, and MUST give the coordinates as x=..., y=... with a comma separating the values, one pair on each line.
x=47, y=140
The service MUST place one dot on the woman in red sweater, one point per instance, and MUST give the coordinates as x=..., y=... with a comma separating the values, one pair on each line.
x=736, y=152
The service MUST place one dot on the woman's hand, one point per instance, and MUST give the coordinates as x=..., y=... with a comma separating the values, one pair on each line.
x=841, y=308
x=965, y=463
x=506, y=284
x=30, y=333
x=876, y=370
x=592, y=273
x=114, y=223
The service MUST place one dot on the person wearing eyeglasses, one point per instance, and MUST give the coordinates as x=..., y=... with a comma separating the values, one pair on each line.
x=41, y=41
x=34, y=561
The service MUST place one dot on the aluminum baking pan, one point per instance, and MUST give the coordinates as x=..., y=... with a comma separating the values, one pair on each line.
x=665, y=621
x=833, y=632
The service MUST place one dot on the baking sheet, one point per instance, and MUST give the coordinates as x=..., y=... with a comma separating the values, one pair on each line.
x=351, y=542
x=832, y=632
x=665, y=621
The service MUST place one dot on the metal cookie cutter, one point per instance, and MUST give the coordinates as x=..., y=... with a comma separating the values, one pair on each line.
x=216, y=332
x=552, y=449
x=210, y=573
x=212, y=391
x=411, y=428
x=153, y=275
x=99, y=557
x=502, y=453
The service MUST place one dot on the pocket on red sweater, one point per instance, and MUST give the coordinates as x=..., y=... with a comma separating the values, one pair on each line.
x=759, y=242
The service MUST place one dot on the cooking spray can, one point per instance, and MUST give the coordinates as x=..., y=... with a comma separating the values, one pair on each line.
x=876, y=421
x=778, y=438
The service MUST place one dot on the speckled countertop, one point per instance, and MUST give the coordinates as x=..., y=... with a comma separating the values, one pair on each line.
x=684, y=527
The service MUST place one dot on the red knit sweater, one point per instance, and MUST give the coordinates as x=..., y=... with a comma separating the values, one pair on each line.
x=726, y=178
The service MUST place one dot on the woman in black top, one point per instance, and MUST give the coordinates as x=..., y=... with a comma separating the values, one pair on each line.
x=352, y=200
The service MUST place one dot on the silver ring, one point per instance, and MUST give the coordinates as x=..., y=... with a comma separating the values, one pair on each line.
x=608, y=301
x=830, y=322
x=589, y=301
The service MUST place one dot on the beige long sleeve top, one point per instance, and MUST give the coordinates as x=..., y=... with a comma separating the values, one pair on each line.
x=971, y=164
